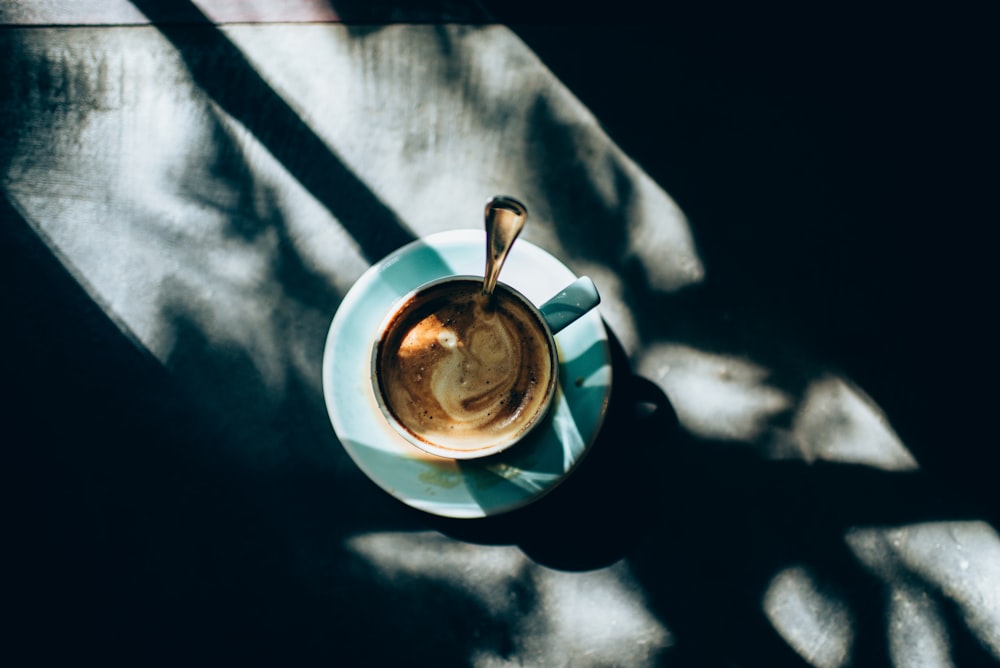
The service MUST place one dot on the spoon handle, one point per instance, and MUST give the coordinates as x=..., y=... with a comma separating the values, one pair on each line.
x=505, y=218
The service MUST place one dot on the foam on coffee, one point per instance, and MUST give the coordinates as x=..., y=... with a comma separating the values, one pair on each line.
x=461, y=370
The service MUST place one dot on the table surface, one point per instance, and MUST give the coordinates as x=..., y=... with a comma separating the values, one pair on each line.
x=783, y=225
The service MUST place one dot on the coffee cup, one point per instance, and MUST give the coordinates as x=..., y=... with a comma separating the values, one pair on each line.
x=464, y=375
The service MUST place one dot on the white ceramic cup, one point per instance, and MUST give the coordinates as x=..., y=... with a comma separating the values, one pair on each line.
x=559, y=312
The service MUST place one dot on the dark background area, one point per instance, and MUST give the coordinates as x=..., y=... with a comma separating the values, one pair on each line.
x=834, y=166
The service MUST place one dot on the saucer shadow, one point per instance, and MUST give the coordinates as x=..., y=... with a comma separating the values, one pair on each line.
x=604, y=507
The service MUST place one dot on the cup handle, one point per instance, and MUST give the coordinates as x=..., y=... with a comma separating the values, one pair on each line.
x=569, y=304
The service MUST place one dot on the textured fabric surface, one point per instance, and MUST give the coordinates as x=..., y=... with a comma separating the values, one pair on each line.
x=186, y=205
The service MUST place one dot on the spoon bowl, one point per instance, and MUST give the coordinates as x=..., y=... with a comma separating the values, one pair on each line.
x=505, y=218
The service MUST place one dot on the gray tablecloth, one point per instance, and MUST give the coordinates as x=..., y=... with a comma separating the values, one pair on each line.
x=212, y=192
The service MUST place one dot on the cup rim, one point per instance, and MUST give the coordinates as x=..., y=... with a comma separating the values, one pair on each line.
x=491, y=447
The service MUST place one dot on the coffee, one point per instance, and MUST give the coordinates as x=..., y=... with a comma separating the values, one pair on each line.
x=464, y=371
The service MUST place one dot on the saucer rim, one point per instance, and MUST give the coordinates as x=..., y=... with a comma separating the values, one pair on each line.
x=473, y=508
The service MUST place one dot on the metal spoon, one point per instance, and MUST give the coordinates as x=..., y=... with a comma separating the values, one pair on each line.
x=505, y=218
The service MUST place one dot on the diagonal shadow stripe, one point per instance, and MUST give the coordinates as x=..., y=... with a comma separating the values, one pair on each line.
x=232, y=82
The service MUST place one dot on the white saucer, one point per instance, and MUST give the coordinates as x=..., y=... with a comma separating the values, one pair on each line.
x=447, y=487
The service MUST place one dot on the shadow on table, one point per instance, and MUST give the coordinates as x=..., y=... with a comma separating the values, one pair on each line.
x=603, y=508
x=234, y=84
x=705, y=526
x=163, y=541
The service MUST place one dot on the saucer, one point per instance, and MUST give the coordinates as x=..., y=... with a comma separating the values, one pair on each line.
x=447, y=487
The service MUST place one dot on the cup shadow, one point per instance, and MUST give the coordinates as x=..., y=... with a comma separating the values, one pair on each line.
x=604, y=507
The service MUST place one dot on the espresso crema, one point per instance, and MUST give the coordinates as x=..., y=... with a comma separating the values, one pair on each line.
x=463, y=371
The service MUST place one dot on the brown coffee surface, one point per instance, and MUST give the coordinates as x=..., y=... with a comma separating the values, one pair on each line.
x=461, y=370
